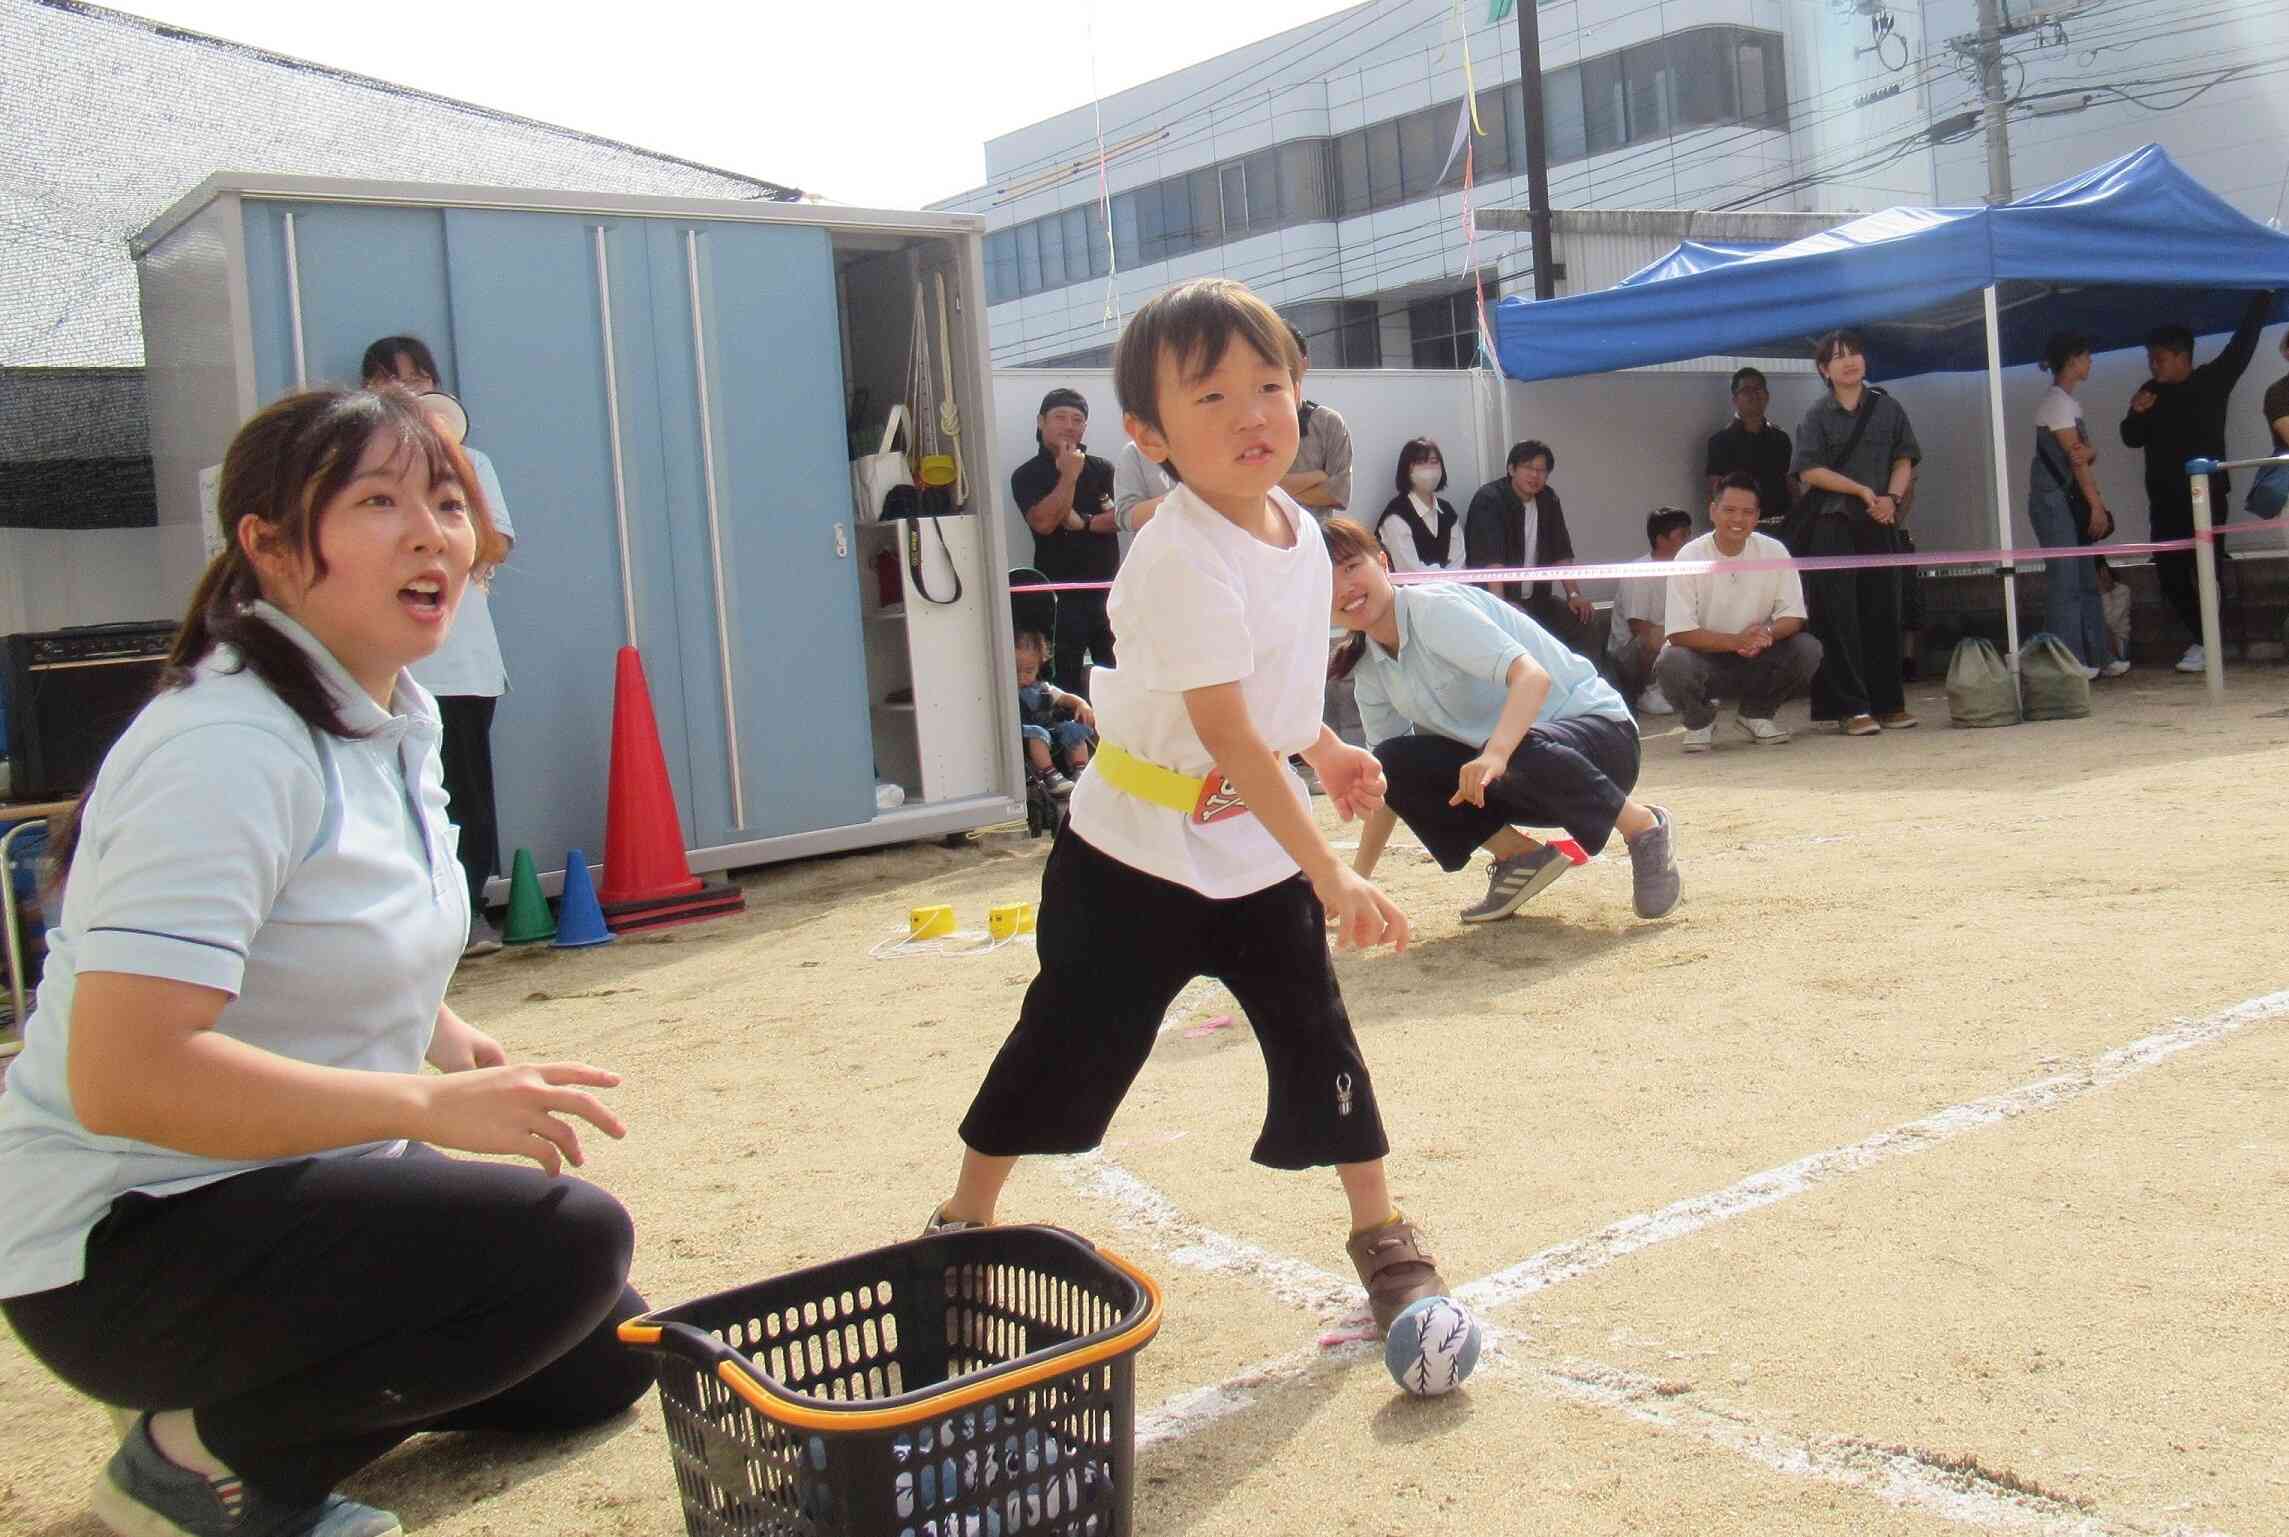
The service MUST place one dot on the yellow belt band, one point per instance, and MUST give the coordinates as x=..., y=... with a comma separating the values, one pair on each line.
x=1147, y=781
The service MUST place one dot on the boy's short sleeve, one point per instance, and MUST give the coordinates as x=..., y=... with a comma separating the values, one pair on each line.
x=184, y=854
x=1180, y=624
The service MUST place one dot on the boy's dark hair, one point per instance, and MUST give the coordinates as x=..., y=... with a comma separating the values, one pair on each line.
x=2062, y=348
x=1661, y=522
x=1417, y=451
x=1028, y=636
x=1835, y=342
x=381, y=358
x=1739, y=480
x=1741, y=375
x=1196, y=323
x=2171, y=338
x=1532, y=448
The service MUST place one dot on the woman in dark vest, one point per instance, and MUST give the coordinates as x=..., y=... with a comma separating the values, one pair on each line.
x=1417, y=525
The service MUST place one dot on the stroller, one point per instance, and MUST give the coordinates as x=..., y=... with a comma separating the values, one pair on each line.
x=1036, y=612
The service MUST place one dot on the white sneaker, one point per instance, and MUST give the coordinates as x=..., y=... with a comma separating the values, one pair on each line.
x=1697, y=739
x=1654, y=702
x=1762, y=732
x=2193, y=660
x=2090, y=674
x=2114, y=669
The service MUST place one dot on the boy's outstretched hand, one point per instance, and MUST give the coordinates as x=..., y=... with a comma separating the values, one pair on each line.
x=1352, y=779
x=1361, y=916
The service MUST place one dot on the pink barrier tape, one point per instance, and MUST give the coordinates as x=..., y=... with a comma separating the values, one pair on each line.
x=1634, y=569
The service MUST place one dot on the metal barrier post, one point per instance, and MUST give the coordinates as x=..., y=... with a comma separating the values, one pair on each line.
x=2198, y=472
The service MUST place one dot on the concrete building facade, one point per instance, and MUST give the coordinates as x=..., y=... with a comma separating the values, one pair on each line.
x=1315, y=164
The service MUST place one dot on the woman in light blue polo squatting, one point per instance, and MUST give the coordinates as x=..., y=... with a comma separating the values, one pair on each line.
x=223, y=1207
x=1483, y=722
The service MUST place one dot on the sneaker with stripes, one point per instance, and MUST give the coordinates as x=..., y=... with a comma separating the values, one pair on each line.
x=1516, y=881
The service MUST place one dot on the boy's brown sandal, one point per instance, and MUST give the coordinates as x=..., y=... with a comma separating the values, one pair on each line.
x=1395, y=1268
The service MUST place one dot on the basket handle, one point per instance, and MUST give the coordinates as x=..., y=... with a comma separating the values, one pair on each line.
x=649, y=1332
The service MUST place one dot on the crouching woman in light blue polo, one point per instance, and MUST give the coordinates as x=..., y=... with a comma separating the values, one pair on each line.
x=1483, y=722
x=222, y=1204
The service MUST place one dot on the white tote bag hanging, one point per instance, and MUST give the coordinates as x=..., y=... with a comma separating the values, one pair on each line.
x=875, y=476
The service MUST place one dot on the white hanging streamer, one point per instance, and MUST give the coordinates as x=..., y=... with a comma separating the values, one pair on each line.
x=1112, y=314
x=949, y=413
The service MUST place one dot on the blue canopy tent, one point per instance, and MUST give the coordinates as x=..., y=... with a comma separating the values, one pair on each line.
x=1933, y=289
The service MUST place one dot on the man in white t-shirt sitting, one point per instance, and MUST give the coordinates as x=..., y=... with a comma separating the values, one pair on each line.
x=1634, y=641
x=1735, y=634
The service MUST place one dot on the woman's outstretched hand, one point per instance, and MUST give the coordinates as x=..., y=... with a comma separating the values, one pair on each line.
x=526, y=1111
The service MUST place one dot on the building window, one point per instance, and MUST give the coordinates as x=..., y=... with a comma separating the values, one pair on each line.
x=1362, y=334
x=1605, y=104
x=1207, y=207
x=1125, y=237
x=1052, y=252
x=1565, y=127
x=1699, y=78
x=1652, y=111
x=1703, y=60
x=1386, y=187
x=1263, y=189
x=1351, y=173
x=1419, y=148
x=1444, y=330
x=1152, y=227
x=1303, y=182
x=1763, y=78
x=1001, y=266
x=1029, y=258
x=1490, y=152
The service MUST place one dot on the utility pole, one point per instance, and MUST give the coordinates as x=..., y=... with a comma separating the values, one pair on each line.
x=1537, y=147
x=1991, y=94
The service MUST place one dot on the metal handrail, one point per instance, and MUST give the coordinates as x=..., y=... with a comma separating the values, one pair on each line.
x=2212, y=466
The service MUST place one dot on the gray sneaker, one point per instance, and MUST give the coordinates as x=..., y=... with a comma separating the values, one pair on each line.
x=1515, y=882
x=142, y=1494
x=1653, y=878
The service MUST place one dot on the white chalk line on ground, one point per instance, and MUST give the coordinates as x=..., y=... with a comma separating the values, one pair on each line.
x=1307, y=1286
x=1563, y=1262
x=1896, y=1475
x=1188, y=1243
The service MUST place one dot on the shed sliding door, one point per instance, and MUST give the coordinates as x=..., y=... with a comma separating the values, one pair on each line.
x=676, y=472
x=758, y=498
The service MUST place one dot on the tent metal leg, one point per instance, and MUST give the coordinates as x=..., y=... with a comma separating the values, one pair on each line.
x=2002, y=474
x=2205, y=577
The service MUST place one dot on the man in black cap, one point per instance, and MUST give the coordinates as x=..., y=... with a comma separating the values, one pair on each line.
x=1066, y=494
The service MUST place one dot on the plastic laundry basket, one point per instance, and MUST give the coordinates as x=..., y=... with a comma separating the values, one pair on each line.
x=978, y=1383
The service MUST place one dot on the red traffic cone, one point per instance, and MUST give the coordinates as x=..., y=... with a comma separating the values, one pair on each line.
x=646, y=879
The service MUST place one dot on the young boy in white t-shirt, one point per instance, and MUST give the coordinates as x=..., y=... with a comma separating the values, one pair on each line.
x=1191, y=849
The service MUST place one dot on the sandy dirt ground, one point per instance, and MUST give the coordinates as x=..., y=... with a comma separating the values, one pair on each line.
x=1923, y=1173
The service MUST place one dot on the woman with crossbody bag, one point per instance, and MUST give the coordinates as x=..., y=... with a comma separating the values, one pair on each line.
x=1856, y=454
x=2067, y=510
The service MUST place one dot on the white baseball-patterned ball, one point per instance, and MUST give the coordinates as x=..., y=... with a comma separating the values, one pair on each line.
x=1432, y=1346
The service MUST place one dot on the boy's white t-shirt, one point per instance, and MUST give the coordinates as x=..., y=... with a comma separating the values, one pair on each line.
x=1198, y=603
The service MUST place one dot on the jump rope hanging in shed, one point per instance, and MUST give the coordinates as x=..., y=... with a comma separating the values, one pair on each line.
x=942, y=481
